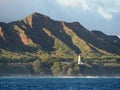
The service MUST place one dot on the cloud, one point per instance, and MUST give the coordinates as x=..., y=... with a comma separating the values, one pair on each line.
x=104, y=13
x=105, y=8
x=74, y=3
x=118, y=36
x=70, y=3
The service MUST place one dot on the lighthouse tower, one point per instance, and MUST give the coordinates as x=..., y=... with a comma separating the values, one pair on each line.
x=79, y=60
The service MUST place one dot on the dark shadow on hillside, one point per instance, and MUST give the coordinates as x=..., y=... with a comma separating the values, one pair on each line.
x=46, y=42
x=38, y=36
x=12, y=41
x=57, y=30
x=92, y=38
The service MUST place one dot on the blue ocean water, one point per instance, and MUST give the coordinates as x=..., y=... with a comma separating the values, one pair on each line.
x=59, y=83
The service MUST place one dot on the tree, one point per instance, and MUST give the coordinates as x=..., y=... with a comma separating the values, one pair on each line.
x=56, y=68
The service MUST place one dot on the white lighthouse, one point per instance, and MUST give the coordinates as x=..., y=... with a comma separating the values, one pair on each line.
x=79, y=60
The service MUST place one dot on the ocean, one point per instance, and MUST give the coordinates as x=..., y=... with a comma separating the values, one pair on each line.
x=37, y=83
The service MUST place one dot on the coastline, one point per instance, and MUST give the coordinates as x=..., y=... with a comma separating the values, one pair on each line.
x=60, y=77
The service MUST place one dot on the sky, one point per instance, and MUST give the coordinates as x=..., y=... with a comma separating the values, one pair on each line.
x=103, y=15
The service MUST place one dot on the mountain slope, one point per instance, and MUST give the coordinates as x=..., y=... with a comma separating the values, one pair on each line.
x=39, y=45
x=38, y=30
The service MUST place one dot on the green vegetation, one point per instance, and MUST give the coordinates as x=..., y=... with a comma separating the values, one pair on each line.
x=41, y=46
x=50, y=63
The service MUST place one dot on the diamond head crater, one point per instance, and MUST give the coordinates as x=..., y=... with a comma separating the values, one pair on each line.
x=37, y=45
